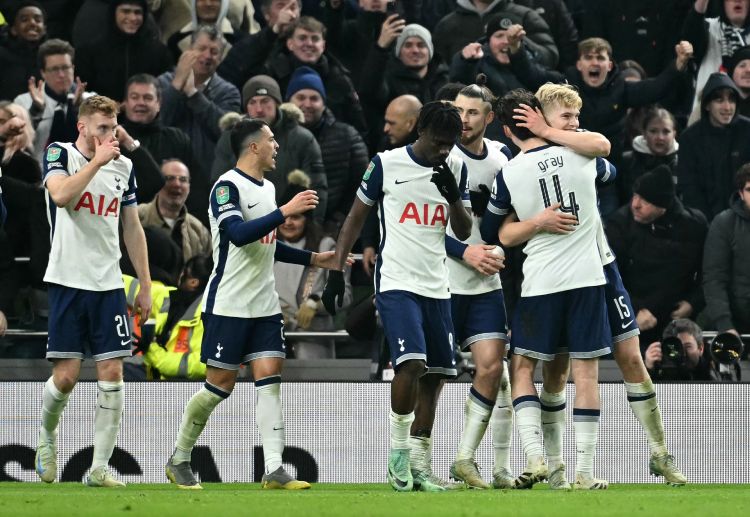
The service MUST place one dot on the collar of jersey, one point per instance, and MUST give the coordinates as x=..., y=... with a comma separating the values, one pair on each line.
x=540, y=148
x=79, y=152
x=473, y=156
x=259, y=183
x=417, y=160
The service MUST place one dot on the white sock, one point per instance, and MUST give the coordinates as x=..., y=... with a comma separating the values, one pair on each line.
x=529, y=419
x=400, y=425
x=194, y=419
x=586, y=425
x=553, y=425
x=420, y=451
x=502, y=423
x=270, y=420
x=477, y=410
x=53, y=404
x=106, y=421
x=642, y=400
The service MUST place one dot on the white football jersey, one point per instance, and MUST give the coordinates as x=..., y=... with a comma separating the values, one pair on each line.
x=481, y=170
x=241, y=284
x=536, y=179
x=85, y=243
x=413, y=217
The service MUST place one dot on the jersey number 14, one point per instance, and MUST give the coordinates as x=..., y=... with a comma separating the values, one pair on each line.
x=571, y=207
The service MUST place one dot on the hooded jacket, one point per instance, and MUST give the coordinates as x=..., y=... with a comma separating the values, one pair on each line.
x=709, y=155
x=466, y=24
x=639, y=161
x=726, y=268
x=107, y=63
x=180, y=40
x=18, y=61
x=500, y=77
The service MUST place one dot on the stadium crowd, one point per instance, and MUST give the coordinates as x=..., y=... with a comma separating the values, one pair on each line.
x=667, y=83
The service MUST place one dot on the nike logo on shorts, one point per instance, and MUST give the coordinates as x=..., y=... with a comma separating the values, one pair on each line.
x=626, y=325
x=124, y=342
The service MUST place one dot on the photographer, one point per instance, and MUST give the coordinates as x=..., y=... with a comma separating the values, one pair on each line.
x=682, y=357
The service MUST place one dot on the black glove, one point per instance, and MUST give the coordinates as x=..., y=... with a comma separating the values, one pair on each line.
x=334, y=289
x=479, y=199
x=446, y=183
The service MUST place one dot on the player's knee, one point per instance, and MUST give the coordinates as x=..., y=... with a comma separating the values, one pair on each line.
x=490, y=370
x=65, y=381
x=632, y=367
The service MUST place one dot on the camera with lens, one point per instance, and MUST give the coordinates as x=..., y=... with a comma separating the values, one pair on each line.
x=673, y=365
x=725, y=351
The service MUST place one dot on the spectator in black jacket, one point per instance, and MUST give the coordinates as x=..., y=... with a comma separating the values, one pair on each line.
x=659, y=247
x=130, y=49
x=726, y=261
x=345, y=156
x=557, y=15
x=739, y=71
x=18, y=54
x=713, y=148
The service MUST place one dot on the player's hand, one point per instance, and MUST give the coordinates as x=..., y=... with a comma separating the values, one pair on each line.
x=36, y=92
x=369, y=256
x=472, y=51
x=306, y=313
x=652, y=355
x=683, y=309
x=80, y=90
x=645, y=319
x=3, y=324
x=327, y=260
x=288, y=14
x=515, y=35
x=390, y=30
x=142, y=304
x=481, y=258
x=445, y=182
x=333, y=294
x=301, y=203
x=479, y=199
x=104, y=152
x=552, y=221
x=684, y=52
x=531, y=118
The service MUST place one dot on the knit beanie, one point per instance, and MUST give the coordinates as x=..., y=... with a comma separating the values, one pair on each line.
x=305, y=78
x=414, y=29
x=501, y=22
x=656, y=187
x=740, y=55
x=261, y=85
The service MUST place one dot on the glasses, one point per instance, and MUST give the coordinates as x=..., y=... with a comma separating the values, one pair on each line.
x=58, y=69
x=178, y=179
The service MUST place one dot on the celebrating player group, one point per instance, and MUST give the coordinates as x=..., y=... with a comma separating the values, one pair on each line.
x=445, y=204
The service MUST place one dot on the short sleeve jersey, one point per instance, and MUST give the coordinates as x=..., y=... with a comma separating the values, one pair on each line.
x=537, y=179
x=413, y=218
x=241, y=284
x=481, y=170
x=84, y=234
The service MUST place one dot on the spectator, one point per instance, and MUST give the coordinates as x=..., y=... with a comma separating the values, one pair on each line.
x=557, y=15
x=605, y=92
x=694, y=366
x=246, y=57
x=489, y=56
x=168, y=212
x=726, y=267
x=298, y=148
x=659, y=246
x=642, y=30
x=195, y=97
x=655, y=146
x=300, y=287
x=467, y=23
x=208, y=12
x=713, y=148
x=53, y=101
x=344, y=153
x=131, y=49
x=175, y=351
x=306, y=46
x=140, y=122
x=18, y=54
x=93, y=21
x=739, y=71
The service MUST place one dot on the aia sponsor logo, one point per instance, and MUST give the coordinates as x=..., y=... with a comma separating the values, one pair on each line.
x=428, y=216
x=98, y=205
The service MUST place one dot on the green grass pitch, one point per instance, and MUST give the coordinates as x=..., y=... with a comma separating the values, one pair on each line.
x=230, y=499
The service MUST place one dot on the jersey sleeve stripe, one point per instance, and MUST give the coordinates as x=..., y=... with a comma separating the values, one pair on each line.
x=363, y=197
x=497, y=211
x=225, y=215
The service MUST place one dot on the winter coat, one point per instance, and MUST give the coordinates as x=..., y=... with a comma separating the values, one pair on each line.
x=557, y=15
x=637, y=162
x=18, y=62
x=500, y=77
x=726, y=268
x=188, y=232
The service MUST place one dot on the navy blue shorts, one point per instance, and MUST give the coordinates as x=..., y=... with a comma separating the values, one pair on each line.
x=619, y=308
x=230, y=342
x=417, y=327
x=80, y=318
x=479, y=316
x=573, y=322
